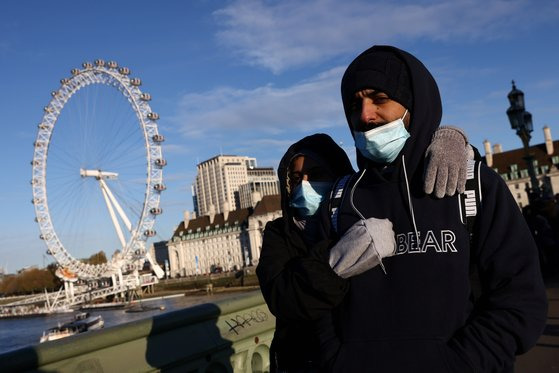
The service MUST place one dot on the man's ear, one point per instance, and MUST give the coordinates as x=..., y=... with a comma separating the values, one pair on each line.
x=407, y=120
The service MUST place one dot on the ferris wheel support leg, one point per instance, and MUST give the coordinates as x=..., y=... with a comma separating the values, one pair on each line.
x=116, y=205
x=69, y=290
x=47, y=303
x=120, y=284
x=113, y=216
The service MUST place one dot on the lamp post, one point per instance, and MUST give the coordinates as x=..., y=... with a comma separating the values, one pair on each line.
x=521, y=122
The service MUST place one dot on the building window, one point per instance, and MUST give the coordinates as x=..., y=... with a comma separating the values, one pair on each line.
x=513, y=167
x=555, y=159
x=524, y=174
x=516, y=186
x=518, y=195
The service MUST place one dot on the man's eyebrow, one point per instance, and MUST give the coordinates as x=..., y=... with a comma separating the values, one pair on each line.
x=376, y=94
x=371, y=93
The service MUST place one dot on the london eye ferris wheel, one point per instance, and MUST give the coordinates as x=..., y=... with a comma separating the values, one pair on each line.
x=97, y=171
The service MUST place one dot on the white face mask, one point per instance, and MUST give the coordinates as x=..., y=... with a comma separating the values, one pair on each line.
x=384, y=143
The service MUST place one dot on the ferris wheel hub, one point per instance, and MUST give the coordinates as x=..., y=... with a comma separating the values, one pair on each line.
x=98, y=174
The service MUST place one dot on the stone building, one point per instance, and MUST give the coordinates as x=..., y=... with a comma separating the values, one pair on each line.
x=512, y=167
x=224, y=241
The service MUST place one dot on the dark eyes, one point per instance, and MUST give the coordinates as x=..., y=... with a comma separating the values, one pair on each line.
x=356, y=104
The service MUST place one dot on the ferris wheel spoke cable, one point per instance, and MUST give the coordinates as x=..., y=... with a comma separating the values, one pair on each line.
x=132, y=207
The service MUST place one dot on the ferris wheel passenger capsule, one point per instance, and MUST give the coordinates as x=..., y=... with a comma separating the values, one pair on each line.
x=149, y=233
x=112, y=64
x=124, y=71
x=156, y=211
x=145, y=97
x=87, y=65
x=47, y=109
x=158, y=138
x=54, y=93
x=136, y=82
x=159, y=187
x=75, y=71
x=64, y=81
x=161, y=162
x=153, y=116
x=38, y=144
x=99, y=62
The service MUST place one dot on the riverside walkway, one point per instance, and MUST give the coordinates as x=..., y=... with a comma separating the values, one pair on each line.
x=544, y=357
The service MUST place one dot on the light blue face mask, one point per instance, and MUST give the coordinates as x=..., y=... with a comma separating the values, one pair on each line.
x=306, y=197
x=384, y=143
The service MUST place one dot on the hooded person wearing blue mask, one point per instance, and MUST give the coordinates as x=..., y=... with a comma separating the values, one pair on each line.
x=293, y=263
x=418, y=313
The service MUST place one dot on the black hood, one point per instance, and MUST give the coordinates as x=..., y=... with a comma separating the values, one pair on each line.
x=425, y=104
x=322, y=149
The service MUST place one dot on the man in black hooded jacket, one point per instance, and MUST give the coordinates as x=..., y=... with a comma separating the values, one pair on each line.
x=299, y=284
x=420, y=315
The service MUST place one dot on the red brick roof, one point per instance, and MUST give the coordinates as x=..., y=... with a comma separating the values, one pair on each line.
x=503, y=161
x=237, y=217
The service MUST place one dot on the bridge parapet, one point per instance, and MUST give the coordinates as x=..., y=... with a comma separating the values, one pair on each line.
x=231, y=335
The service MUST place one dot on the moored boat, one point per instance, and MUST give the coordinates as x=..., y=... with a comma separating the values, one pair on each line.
x=82, y=323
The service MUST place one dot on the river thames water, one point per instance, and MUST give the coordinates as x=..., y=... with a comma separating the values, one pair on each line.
x=22, y=332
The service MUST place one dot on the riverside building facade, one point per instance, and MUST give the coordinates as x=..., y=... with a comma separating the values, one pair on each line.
x=512, y=167
x=220, y=241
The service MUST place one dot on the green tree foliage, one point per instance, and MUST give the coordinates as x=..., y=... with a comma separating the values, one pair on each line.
x=97, y=258
x=29, y=281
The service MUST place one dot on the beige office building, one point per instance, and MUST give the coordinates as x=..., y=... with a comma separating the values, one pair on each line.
x=230, y=182
x=216, y=188
x=261, y=182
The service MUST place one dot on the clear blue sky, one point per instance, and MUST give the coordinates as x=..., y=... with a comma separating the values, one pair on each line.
x=251, y=77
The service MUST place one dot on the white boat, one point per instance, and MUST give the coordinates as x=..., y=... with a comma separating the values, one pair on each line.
x=82, y=323
x=58, y=332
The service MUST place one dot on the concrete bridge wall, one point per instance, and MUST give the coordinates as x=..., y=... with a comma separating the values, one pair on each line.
x=227, y=336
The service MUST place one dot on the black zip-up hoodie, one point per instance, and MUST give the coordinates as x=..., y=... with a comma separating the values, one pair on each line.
x=295, y=278
x=420, y=315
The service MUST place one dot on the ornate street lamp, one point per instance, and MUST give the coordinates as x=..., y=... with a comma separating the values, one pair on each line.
x=521, y=122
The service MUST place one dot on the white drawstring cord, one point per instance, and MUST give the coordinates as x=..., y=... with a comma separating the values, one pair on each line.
x=363, y=218
x=409, y=201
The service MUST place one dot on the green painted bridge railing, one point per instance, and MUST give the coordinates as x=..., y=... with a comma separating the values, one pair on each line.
x=231, y=335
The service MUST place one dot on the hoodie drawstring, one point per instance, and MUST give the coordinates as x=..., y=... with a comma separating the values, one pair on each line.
x=409, y=201
x=363, y=218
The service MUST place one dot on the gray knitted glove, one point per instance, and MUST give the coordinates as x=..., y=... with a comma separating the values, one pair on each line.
x=362, y=247
x=445, y=162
